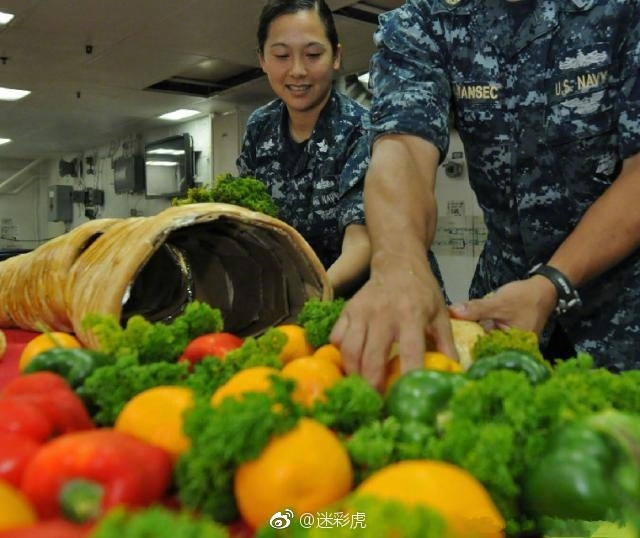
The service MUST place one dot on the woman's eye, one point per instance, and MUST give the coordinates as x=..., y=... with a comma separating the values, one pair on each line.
x=314, y=55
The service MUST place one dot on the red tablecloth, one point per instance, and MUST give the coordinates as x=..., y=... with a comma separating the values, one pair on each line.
x=16, y=340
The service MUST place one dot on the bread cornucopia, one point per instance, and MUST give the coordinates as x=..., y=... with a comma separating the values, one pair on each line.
x=256, y=269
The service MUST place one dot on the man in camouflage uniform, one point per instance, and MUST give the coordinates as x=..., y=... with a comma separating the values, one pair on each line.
x=546, y=97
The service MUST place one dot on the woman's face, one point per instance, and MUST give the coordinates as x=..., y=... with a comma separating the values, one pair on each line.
x=299, y=61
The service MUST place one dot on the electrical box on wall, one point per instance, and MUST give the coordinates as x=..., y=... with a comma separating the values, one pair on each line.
x=93, y=197
x=60, y=203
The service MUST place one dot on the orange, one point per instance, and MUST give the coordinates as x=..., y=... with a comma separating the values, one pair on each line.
x=254, y=379
x=330, y=353
x=303, y=470
x=312, y=376
x=296, y=345
x=457, y=495
x=432, y=360
x=156, y=415
x=3, y=344
x=17, y=510
x=44, y=342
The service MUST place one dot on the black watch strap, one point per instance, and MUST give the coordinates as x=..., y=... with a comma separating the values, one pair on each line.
x=568, y=297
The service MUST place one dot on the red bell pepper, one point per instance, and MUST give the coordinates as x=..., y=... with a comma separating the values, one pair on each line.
x=25, y=419
x=53, y=398
x=35, y=382
x=15, y=453
x=63, y=408
x=82, y=474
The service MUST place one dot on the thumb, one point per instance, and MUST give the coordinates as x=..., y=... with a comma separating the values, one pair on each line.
x=473, y=310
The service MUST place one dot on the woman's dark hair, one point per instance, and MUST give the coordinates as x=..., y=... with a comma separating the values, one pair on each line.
x=275, y=8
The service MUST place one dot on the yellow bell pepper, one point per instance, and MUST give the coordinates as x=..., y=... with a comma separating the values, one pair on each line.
x=16, y=508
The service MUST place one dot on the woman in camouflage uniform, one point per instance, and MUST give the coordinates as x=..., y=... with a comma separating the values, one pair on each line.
x=309, y=145
x=546, y=97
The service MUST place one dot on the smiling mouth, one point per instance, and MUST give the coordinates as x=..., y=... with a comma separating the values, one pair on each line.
x=298, y=88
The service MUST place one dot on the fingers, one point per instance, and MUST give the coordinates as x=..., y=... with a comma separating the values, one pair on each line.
x=350, y=340
x=411, y=347
x=442, y=336
x=364, y=349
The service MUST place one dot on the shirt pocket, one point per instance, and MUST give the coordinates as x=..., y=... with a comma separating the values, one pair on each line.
x=580, y=102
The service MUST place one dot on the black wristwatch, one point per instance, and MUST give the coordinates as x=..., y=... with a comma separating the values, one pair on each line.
x=568, y=297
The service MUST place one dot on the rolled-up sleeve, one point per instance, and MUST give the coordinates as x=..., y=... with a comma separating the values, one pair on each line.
x=351, y=186
x=411, y=90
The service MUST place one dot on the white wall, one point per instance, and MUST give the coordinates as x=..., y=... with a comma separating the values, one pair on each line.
x=461, y=232
x=21, y=222
x=24, y=216
x=228, y=130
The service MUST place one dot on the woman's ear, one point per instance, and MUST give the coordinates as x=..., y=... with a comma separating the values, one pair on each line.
x=337, y=59
x=260, y=59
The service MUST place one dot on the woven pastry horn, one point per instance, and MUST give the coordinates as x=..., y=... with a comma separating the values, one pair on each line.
x=256, y=269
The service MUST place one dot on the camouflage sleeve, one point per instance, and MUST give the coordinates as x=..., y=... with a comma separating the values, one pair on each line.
x=351, y=204
x=410, y=85
x=629, y=120
x=246, y=161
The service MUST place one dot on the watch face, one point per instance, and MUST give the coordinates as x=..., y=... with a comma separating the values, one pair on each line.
x=564, y=306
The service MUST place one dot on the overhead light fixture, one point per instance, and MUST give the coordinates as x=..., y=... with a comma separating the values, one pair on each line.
x=5, y=18
x=166, y=151
x=161, y=163
x=179, y=114
x=4, y=141
x=9, y=94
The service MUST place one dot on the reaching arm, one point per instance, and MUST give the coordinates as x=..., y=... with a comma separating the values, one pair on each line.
x=402, y=301
x=349, y=271
x=607, y=233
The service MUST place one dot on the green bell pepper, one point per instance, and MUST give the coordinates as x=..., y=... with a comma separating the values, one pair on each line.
x=73, y=364
x=590, y=470
x=419, y=395
x=519, y=361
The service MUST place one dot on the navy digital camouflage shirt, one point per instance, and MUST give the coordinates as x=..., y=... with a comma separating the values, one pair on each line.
x=546, y=114
x=318, y=188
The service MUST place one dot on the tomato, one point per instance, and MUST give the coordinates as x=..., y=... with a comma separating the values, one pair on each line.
x=210, y=345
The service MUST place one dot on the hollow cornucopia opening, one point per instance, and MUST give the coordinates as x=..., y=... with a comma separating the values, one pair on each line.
x=256, y=269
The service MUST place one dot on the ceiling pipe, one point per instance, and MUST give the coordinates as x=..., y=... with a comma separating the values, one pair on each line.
x=5, y=186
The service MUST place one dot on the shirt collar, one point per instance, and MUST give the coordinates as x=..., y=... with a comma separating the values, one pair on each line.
x=317, y=136
x=464, y=7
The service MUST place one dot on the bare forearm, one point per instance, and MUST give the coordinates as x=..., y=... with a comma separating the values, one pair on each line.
x=399, y=200
x=349, y=271
x=608, y=232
